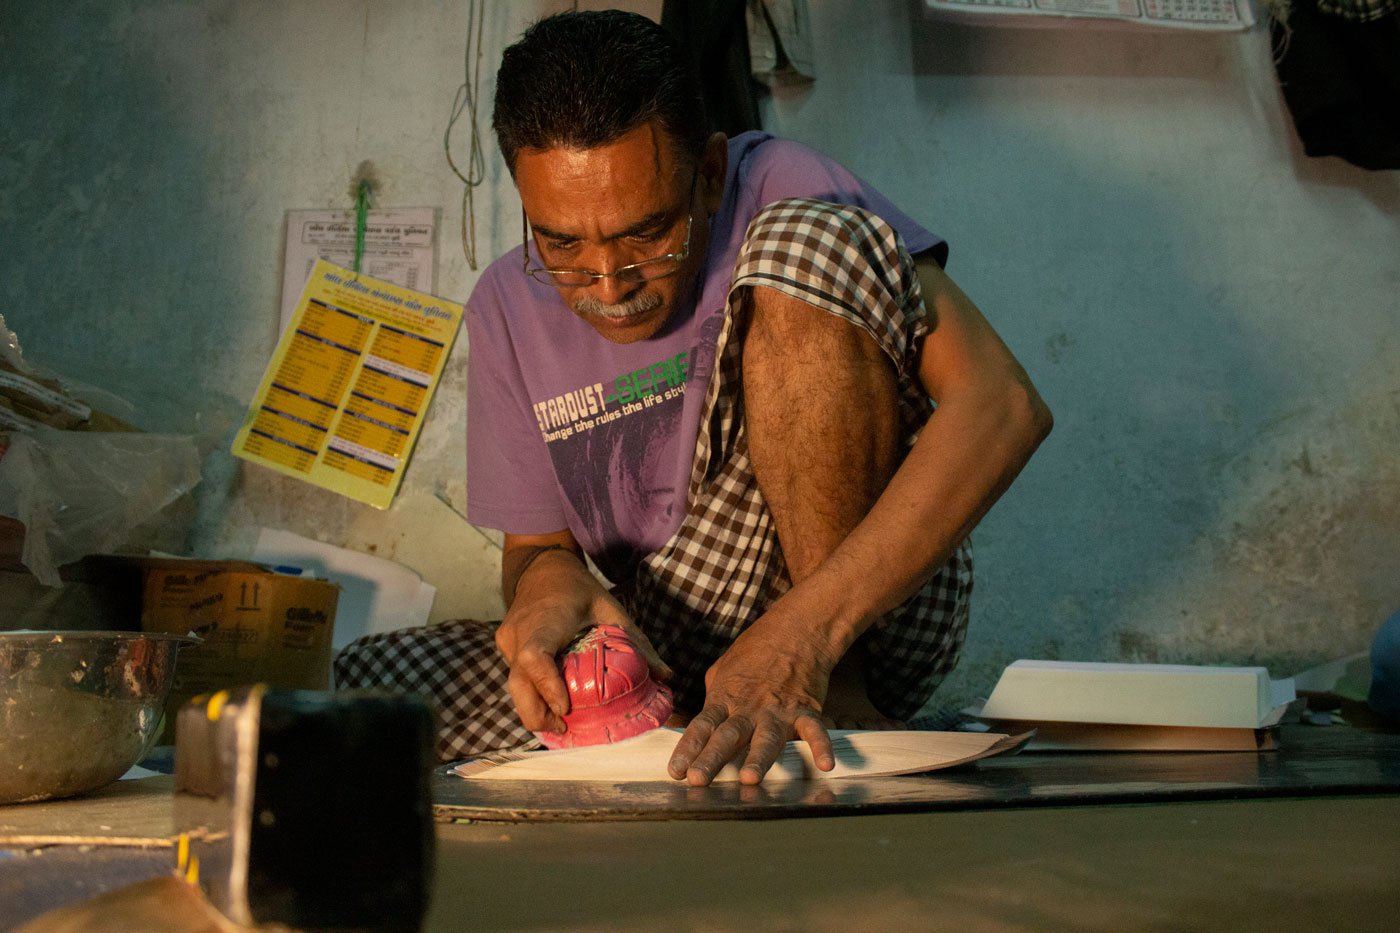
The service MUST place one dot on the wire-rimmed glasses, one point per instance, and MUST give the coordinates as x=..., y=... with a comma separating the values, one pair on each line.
x=657, y=267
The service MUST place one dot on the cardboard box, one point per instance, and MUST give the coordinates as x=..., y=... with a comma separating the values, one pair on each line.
x=258, y=626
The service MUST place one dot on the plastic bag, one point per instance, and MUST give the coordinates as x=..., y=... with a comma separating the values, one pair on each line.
x=83, y=492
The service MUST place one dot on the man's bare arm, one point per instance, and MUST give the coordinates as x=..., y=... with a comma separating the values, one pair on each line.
x=520, y=551
x=988, y=422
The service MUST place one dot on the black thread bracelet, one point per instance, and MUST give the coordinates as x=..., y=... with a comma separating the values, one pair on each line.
x=520, y=574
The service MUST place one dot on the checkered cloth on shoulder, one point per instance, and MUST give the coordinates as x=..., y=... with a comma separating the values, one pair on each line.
x=724, y=566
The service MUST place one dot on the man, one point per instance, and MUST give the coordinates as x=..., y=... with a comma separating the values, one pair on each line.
x=709, y=370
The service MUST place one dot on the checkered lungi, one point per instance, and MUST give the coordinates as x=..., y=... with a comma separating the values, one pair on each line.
x=724, y=567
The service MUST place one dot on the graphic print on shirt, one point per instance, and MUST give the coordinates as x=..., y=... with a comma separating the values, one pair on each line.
x=623, y=430
x=585, y=408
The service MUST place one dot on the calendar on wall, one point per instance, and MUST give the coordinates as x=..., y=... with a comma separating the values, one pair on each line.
x=1219, y=15
x=1227, y=13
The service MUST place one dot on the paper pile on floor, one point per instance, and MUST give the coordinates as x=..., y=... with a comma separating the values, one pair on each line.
x=1138, y=707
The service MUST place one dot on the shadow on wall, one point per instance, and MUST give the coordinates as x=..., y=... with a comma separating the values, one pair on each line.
x=1174, y=515
x=119, y=270
x=944, y=47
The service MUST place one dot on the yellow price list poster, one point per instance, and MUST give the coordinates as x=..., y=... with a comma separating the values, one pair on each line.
x=347, y=390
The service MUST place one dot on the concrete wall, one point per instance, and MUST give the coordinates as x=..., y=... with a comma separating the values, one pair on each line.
x=1212, y=315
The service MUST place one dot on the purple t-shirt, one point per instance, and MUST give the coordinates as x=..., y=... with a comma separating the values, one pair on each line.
x=566, y=429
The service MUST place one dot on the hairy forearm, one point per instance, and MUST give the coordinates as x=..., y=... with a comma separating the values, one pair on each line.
x=515, y=563
x=966, y=457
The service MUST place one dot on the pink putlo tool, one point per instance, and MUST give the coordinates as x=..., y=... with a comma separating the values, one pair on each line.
x=612, y=695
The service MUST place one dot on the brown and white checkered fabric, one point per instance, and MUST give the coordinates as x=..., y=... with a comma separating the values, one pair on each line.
x=724, y=566
x=456, y=667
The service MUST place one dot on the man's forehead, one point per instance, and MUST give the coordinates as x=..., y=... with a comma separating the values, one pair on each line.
x=641, y=160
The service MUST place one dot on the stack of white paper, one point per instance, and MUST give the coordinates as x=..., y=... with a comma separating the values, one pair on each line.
x=1075, y=704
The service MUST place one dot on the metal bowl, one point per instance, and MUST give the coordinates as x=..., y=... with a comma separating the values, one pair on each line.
x=77, y=709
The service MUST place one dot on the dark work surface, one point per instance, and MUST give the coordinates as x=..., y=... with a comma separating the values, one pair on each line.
x=1311, y=760
x=1029, y=842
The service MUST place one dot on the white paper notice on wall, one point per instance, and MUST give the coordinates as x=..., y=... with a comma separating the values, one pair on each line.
x=400, y=247
x=1211, y=15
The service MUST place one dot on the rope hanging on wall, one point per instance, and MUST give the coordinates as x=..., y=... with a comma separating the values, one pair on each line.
x=468, y=96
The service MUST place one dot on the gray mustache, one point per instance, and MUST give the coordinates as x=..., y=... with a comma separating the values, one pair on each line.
x=640, y=303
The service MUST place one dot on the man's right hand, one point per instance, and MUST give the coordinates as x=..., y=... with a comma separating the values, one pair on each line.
x=552, y=598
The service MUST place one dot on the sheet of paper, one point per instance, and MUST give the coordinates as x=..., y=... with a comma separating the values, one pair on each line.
x=376, y=595
x=644, y=758
x=1215, y=15
x=347, y=390
x=1348, y=677
x=136, y=772
x=400, y=247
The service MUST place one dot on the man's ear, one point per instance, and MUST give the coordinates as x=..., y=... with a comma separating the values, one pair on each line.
x=713, y=165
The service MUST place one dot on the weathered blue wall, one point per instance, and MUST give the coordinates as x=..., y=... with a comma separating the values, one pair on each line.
x=1212, y=315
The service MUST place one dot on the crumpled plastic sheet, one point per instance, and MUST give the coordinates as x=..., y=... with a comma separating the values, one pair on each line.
x=83, y=492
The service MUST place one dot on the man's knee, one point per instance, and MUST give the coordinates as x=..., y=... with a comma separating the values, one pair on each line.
x=812, y=377
x=810, y=343
x=821, y=411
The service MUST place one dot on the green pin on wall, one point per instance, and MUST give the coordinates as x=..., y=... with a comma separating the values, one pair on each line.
x=362, y=187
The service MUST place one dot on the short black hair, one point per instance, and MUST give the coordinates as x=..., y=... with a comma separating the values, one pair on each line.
x=584, y=79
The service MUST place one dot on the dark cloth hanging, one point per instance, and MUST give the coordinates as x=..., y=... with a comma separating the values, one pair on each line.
x=716, y=35
x=1340, y=73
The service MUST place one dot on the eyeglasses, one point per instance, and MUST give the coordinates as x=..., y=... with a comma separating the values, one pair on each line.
x=657, y=267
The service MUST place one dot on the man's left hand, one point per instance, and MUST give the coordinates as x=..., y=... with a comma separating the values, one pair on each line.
x=767, y=688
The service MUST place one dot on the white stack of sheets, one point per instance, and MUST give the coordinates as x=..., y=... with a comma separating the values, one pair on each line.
x=1138, y=707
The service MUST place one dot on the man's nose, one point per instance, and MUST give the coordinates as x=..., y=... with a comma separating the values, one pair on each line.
x=613, y=289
